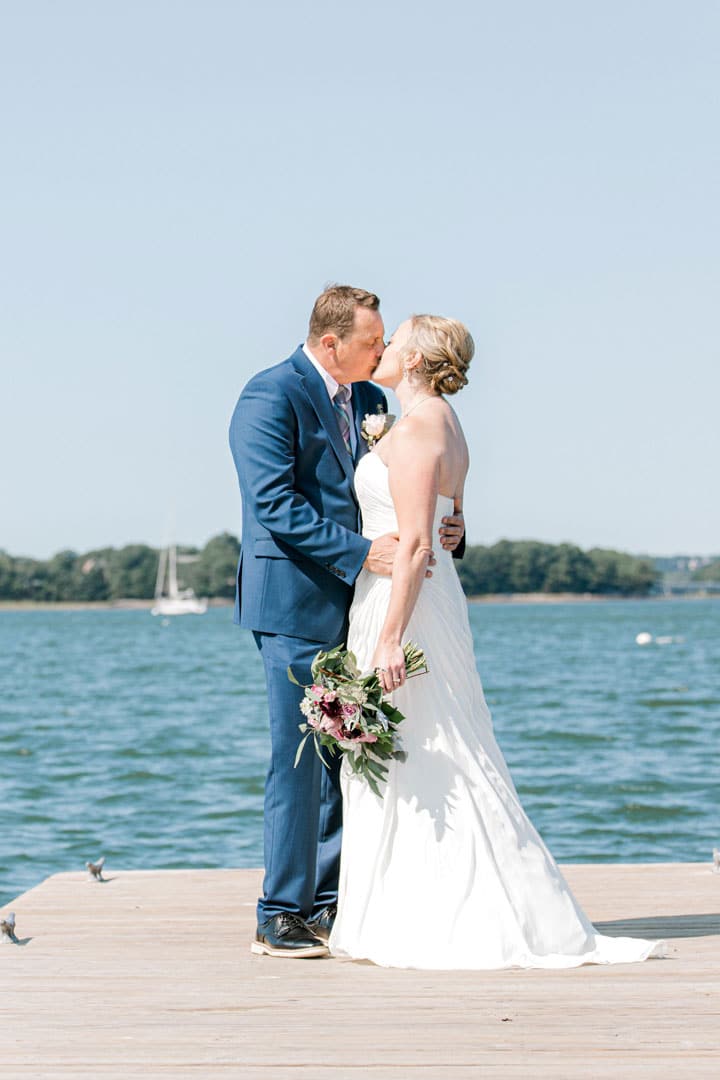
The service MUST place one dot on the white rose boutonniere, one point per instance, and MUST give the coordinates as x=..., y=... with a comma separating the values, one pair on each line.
x=375, y=425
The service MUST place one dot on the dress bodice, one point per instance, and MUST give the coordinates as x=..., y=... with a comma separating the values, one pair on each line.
x=372, y=486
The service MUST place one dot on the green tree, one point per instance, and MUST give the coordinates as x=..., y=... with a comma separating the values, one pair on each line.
x=569, y=570
x=8, y=577
x=61, y=576
x=216, y=569
x=131, y=572
x=711, y=572
x=530, y=562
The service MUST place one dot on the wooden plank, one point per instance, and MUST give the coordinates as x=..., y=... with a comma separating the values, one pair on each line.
x=150, y=975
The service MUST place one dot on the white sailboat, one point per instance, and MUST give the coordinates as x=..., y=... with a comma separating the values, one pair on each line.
x=174, y=601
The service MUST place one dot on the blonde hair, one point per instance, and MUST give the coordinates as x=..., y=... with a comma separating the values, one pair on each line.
x=446, y=347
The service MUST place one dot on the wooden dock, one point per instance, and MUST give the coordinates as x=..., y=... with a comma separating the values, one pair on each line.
x=150, y=975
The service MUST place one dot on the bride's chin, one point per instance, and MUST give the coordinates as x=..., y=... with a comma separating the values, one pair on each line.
x=384, y=379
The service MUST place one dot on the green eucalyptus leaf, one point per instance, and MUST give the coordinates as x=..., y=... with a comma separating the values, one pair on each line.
x=300, y=750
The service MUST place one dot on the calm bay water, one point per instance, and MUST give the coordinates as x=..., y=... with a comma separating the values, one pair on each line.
x=147, y=742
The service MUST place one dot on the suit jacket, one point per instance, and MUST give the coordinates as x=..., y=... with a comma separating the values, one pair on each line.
x=301, y=544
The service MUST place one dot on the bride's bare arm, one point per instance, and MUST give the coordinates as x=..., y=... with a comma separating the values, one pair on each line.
x=414, y=478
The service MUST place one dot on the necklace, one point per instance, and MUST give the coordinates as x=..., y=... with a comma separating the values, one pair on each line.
x=428, y=397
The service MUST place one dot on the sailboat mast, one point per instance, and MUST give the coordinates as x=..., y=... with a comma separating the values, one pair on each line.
x=160, y=580
x=173, y=590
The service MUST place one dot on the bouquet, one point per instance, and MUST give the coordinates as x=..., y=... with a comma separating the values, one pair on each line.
x=346, y=712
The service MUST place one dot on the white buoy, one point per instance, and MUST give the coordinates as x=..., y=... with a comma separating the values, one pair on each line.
x=644, y=638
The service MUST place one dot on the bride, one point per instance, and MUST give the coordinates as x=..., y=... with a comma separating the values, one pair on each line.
x=444, y=870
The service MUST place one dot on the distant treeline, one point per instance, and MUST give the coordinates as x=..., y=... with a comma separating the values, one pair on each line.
x=127, y=573
x=510, y=566
x=528, y=566
x=711, y=572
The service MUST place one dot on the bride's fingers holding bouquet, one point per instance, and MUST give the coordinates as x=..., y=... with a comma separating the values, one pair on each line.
x=389, y=663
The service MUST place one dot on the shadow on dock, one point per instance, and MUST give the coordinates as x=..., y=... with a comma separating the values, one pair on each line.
x=662, y=926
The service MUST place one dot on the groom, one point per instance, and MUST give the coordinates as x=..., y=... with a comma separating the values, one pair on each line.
x=296, y=439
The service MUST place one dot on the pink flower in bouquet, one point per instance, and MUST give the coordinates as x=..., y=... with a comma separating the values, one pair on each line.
x=331, y=706
x=351, y=739
x=351, y=713
x=331, y=725
x=315, y=692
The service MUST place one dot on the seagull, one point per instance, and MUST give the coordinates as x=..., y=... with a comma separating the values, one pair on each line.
x=7, y=927
x=96, y=869
x=716, y=860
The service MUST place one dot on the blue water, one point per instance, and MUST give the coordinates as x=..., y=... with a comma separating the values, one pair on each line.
x=147, y=742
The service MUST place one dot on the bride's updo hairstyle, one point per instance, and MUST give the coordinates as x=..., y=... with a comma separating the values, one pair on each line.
x=446, y=347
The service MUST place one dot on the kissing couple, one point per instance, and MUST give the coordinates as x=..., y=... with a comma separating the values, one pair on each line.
x=347, y=542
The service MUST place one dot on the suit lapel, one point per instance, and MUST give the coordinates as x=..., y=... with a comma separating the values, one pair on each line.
x=360, y=407
x=317, y=393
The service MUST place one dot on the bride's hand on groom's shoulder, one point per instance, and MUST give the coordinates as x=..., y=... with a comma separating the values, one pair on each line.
x=381, y=556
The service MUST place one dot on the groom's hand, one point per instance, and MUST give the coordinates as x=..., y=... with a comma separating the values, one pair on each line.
x=381, y=556
x=452, y=530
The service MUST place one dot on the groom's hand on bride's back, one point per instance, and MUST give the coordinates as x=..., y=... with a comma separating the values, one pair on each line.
x=381, y=556
x=452, y=531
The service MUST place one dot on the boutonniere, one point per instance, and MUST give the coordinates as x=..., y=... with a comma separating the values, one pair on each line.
x=375, y=425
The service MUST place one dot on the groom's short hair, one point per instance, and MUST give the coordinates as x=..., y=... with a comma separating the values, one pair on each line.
x=334, y=310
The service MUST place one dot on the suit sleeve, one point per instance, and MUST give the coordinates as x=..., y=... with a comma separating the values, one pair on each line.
x=459, y=551
x=263, y=439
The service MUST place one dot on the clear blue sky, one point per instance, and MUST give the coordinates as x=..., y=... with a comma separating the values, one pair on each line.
x=179, y=180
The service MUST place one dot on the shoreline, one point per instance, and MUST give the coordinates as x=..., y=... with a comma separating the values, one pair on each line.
x=579, y=598
x=219, y=602
x=93, y=605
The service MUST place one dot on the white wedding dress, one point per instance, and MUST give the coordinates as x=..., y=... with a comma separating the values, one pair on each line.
x=445, y=870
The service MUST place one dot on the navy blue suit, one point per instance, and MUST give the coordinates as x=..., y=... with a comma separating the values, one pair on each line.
x=301, y=552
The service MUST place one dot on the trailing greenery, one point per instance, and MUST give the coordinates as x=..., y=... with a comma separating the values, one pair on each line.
x=510, y=566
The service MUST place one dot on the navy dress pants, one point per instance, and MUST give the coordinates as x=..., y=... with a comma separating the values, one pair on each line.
x=303, y=807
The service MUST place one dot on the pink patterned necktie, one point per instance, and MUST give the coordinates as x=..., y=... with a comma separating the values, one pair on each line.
x=341, y=404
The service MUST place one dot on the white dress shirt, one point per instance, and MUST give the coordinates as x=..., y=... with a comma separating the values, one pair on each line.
x=331, y=386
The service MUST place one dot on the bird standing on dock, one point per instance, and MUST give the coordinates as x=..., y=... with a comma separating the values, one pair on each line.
x=7, y=927
x=96, y=869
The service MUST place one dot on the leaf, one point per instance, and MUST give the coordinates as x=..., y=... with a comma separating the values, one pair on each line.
x=373, y=786
x=354, y=762
x=292, y=678
x=376, y=768
x=394, y=715
x=300, y=749
x=317, y=751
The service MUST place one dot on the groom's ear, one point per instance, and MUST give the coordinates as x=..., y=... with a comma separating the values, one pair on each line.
x=329, y=341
